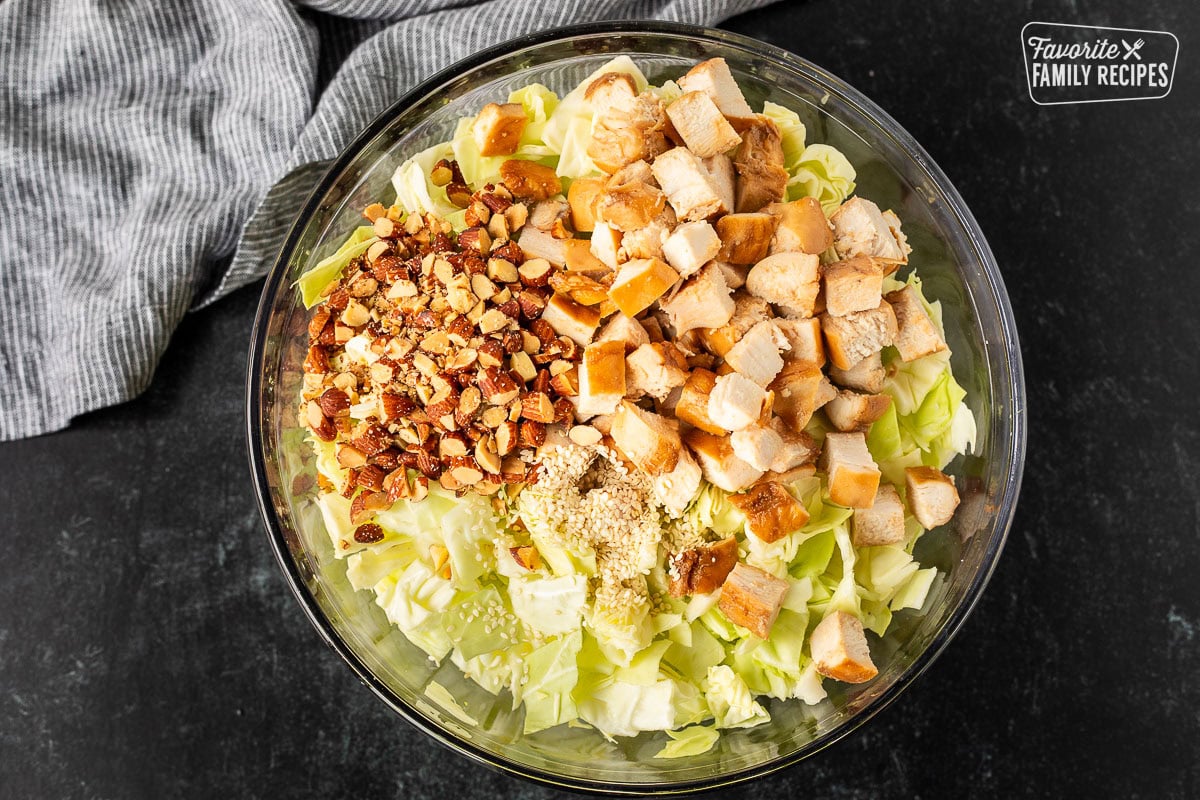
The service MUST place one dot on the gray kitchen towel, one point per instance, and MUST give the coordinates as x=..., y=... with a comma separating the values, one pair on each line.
x=152, y=155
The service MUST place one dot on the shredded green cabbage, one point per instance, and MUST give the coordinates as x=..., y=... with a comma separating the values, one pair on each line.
x=314, y=281
x=824, y=173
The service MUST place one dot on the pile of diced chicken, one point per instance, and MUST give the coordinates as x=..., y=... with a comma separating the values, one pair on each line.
x=727, y=332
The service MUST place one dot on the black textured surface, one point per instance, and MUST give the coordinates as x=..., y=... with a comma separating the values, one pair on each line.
x=149, y=646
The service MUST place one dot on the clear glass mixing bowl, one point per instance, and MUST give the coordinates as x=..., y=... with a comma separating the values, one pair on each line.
x=954, y=261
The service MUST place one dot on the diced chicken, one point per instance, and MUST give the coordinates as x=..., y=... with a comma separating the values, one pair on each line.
x=757, y=446
x=805, y=345
x=752, y=598
x=801, y=227
x=853, y=475
x=606, y=242
x=689, y=187
x=676, y=489
x=748, y=311
x=648, y=241
x=528, y=180
x=714, y=79
x=788, y=279
x=882, y=523
x=839, y=649
x=692, y=406
x=917, y=335
x=537, y=243
x=611, y=91
x=580, y=259
x=756, y=355
x=703, y=569
x=860, y=229
x=851, y=411
x=703, y=301
x=546, y=214
x=745, y=238
x=720, y=465
x=735, y=401
x=573, y=320
x=639, y=283
x=498, y=128
x=797, y=448
x=932, y=496
x=826, y=392
x=581, y=197
x=866, y=376
x=651, y=442
x=855, y=284
x=632, y=173
x=796, y=388
x=621, y=328
x=761, y=180
x=853, y=337
x=628, y=205
x=601, y=379
x=721, y=171
x=699, y=123
x=893, y=223
x=735, y=274
x=690, y=246
x=654, y=369
x=629, y=132
x=771, y=513
x=653, y=327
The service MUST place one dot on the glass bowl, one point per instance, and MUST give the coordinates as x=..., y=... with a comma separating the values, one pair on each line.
x=954, y=261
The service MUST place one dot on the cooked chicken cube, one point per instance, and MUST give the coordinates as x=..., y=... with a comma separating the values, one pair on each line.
x=651, y=442
x=756, y=355
x=630, y=205
x=851, y=411
x=860, y=229
x=601, y=379
x=703, y=569
x=692, y=406
x=855, y=284
x=917, y=335
x=529, y=181
x=570, y=319
x=648, y=240
x=721, y=466
x=771, y=513
x=932, y=496
x=761, y=180
x=853, y=475
x=797, y=448
x=621, y=328
x=735, y=274
x=699, y=123
x=690, y=246
x=866, y=376
x=654, y=369
x=745, y=238
x=801, y=227
x=893, y=223
x=805, y=344
x=689, y=187
x=606, y=242
x=629, y=132
x=757, y=446
x=676, y=489
x=721, y=171
x=826, y=392
x=752, y=598
x=796, y=388
x=580, y=259
x=611, y=91
x=748, y=311
x=839, y=649
x=735, y=401
x=882, y=523
x=703, y=301
x=537, y=243
x=714, y=79
x=639, y=283
x=788, y=279
x=581, y=197
x=498, y=128
x=853, y=337
x=547, y=214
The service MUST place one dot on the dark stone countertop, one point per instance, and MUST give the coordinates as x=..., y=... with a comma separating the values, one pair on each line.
x=149, y=646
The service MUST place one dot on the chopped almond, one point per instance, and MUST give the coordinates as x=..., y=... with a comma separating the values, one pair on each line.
x=851, y=411
x=745, y=238
x=692, y=406
x=757, y=446
x=756, y=355
x=851, y=338
x=917, y=335
x=735, y=402
x=801, y=227
x=649, y=440
x=690, y=246
x=639, y=283
x=676, y=489
x=748, y=311
x=581, y=197
x=601, y=379
x=498, y=128
x=714, y=79
x=689, y=187
x=703, y=569
x=853, y=475
x=771, y=513
x=839, y=649
x=700, y=124
x=752, y=598
x=654, y=369
x=703, y=301
x=932, y=496
x=571, y=319
x=866, y=376
x=791, y=280
x=860, y=229
x=882, y=523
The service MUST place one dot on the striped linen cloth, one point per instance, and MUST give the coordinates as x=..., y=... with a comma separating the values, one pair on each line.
x=152, y=155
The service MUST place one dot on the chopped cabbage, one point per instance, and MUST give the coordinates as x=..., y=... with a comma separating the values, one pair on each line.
x=314, y=281
x=693, y=741
x=730, y=701
x=824, y=173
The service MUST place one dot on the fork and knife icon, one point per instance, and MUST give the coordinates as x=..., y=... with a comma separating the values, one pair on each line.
x=1132, y=49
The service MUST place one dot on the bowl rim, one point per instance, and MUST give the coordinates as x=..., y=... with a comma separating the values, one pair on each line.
x=1010, y=353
